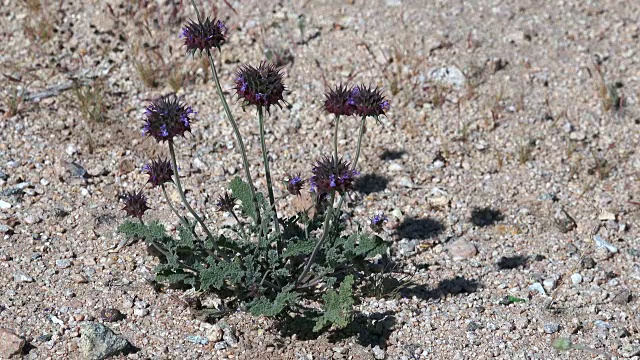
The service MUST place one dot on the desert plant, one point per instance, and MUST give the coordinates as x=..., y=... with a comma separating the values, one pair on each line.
x=265, y=263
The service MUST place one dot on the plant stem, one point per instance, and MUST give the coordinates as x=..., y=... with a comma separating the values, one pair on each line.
x=325, y=231
x=240, y=226
x=236, y=131
x=196, y=9
x=355, y=161
x=267, y=173
x=182, y=219
x=184, y=198
x=360, y=136
x=335, y=138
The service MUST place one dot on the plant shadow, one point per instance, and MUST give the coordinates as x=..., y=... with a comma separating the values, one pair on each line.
x=367, y=329
x=512, y=262
x=371, y=183
x=419, y=228
x=454, y=286
x=485, y=216
x=392, y=154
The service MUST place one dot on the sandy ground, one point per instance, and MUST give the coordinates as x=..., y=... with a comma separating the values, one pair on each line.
x=507, y=158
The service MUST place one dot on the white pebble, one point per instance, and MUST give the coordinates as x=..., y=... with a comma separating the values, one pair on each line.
x=576, y=279
x=4, y=205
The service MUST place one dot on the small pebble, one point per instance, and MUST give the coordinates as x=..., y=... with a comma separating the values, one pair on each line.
x=551, y=328
x=4, y=205
x=576, y=279
x=141, y=312
x=19, y=277
x=549, y=284
x=63, y=263
x=537, y=287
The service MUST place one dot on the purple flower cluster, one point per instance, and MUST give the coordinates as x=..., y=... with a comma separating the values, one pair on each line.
x=167, y=118
x=294, y=185
x=262, y=86
x=377, y=222
x=225, y=203
x=204, y=36
x=337, y=101
x=135, y=204
x=159, y=171
x=367, y=101
x=360, y=100
x=331, y=174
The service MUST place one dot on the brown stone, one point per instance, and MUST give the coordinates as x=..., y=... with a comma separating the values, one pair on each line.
x=10, y=343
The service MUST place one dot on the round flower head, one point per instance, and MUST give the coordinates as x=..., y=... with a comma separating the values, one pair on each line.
x=159, y=171
x=377, y=222
x=294, y=185
x=226, y=203
x=135, y=204
x=203, y=36
x=331, y=174
x=368, y=102
x=337, y=100
x=166, y=118
x=261, y=86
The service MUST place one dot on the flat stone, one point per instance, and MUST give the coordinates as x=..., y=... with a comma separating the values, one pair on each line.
x=20, y=277
x=98, y=342
x=537, y=287
x=449, y=75
x=4, y=205
x=551, y=328
x=462, y=249
x=395, y=167
x=10, y=343
x=63, y=263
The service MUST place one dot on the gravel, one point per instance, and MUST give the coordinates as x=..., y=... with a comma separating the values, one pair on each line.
x=496, y=107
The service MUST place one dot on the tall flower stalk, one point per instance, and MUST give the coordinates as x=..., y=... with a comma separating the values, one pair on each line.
x=236, y=131
x=267, y=174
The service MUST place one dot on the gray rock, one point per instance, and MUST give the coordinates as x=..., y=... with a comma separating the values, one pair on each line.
x=449, y=75
x=395, y=167
x=549, y=284
x=537, y=287
x=4, y=205
x=551, y=328
x=141, y=312
x=63, y=263
x=5, y=229
x=378, y=353
x=98, y=342
x=406, y=247
x=229, y=336
x=20, y=277
x=3, y=176
x=10, y=343
x=221, y=345
x=407, y=182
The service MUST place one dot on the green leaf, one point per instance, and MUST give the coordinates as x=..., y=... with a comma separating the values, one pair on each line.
x=338, y=306
x=242, y=192
x=218, y=273
x=133, y=229
x=303, y=247
x=169, y=274
x=264, y=306
x=186, y=238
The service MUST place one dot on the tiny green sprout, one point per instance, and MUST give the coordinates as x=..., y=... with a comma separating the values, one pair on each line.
x=562, y=344
x=513, y=299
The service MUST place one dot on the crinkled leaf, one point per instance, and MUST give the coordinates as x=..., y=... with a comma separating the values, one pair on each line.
x=266, y=307
x=242, y=191
x=216, y=275
x=338, y=306
x=299, y=248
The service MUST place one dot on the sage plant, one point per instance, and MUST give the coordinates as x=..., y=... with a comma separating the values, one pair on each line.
x=265, y=263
